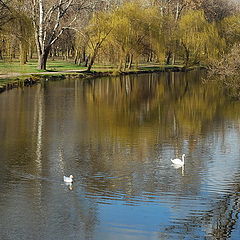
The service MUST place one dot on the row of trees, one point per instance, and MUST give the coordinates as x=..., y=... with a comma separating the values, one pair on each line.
x=119, y=32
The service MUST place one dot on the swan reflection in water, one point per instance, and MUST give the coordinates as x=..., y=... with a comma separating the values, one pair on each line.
x=179, y=166
x=69, y=185
x=179, y=163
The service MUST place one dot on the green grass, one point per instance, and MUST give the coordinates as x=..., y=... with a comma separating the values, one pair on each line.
x=59, y=65
x=31, y=66
x=12, y=71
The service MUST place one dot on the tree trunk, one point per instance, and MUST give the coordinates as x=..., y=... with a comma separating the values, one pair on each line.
x=150, y=57
x=86, y=61
x=23, y=53
x=30, y=51
x=126, y=61
x=42, y=59
x=91, y=62
x=186, y=61
x=120, y=65
x=173, y=58
x=168, y=58
x=130, y=61
x=76, y=57
x=83, y=57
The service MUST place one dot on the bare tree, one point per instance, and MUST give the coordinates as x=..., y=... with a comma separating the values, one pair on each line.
x=5, y=12
x=50, y=20
x=216, y=10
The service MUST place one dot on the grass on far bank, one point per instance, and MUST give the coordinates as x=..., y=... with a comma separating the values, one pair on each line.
x=59, y=65
x=13, y=71
x=31, y=66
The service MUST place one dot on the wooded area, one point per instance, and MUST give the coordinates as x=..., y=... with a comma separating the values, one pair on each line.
x=118, y=32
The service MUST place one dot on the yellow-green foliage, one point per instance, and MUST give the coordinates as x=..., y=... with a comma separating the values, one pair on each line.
x=129, y=26
x=134, y=30
x=98, y=29
x=199, y=36
x=15, y=33
x=156, y=34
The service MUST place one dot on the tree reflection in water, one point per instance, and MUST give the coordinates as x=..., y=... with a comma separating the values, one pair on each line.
x=218, y=222
x=117, y=135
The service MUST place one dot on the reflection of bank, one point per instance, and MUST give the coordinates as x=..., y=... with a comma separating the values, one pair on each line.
x=146, y=110
x=117, y=141
x=156, y=99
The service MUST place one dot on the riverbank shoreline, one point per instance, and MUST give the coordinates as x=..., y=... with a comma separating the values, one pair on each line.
x=26, y=80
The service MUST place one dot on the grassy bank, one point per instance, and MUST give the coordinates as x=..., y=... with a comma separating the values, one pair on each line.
x=12, y=74
x=15, y=68
x=31, y=66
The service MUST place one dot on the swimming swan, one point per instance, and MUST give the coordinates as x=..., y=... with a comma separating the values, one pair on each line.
x=68, y=179
x=178, y=161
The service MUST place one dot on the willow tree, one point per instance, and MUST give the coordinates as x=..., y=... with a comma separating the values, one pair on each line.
x=156, y=37
x=96, y=33
x=199, y=39
x=129, y=32
x=16, y=29
x=163, y=21
x=50, y=20
x=23, y=30
x=163, y=35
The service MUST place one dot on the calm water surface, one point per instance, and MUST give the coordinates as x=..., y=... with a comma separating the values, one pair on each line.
x=116, y=136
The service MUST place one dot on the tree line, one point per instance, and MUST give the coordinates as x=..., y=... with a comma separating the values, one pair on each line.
x=118, y=32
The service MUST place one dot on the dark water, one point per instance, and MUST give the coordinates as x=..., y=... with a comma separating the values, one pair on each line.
x=116, y=136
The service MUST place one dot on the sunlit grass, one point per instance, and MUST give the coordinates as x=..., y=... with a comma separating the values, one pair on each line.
x=12, y=71
x=59, y=65
x=31, y=66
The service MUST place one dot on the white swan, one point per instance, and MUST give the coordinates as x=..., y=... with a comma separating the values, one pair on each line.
x=178, y=161
x=68, y=179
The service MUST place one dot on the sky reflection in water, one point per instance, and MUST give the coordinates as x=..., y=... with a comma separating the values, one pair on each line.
x=116, y=136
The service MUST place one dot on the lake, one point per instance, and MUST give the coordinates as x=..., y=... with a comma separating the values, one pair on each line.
x=116, y=136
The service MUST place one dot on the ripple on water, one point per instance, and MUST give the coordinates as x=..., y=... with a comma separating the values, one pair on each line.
x=118, y=145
